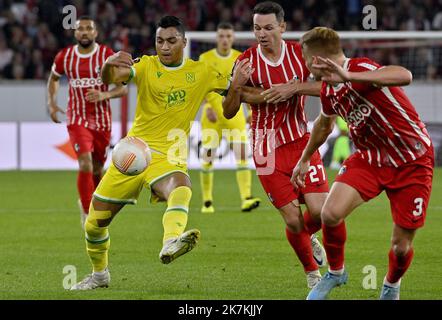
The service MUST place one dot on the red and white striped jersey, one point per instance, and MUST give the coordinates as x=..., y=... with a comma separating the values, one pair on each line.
x=277, y=124
x=83, y=73
x=382, y=122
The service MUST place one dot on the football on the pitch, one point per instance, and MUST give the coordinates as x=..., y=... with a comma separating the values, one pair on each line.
x=131, y=156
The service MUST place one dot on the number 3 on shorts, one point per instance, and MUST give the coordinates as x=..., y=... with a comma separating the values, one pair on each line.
x=418, y=202
x=313, y=171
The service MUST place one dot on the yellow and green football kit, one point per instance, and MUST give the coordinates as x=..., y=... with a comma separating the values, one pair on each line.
x=168, y=100
x=233, y=130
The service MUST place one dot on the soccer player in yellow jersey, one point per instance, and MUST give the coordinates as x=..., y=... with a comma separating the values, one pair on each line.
x=170, y=92
x=215, y=126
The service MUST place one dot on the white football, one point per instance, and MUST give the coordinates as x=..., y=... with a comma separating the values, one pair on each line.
x=131, y=156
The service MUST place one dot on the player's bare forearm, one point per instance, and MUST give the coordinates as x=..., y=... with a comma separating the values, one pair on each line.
x=312, y=88
x=113, y=74
x=108, y=73
x=252, y=95
x=232, y=102
x=119, y=91
x=52, y=89
x=322, y=128
x=387, y=76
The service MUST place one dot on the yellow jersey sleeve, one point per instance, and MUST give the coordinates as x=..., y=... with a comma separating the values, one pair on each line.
x=139, y=69
x=217, y=82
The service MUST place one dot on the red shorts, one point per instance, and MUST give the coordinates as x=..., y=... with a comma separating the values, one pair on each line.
x=408, y=187
x=86, y=140
x=276, y=181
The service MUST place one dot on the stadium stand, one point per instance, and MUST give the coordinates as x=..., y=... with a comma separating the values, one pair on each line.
x=31, y=31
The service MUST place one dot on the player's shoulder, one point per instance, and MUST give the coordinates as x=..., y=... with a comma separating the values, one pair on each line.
x=362, y=64
x=251, y=51
x=197, y=65
x=144, y=59
x=207, y=54
x=105, y=47
x=293, y=44
x=65, y=50
x=236, y=53
x=189, y=62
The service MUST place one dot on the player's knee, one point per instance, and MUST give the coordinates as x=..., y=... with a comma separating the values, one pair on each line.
x=294, y=223
x=330, y=217
x=400, y=247
x=97, y=170
x=98, y=218
x=315, y=212
x=295, y=227
x=85, y=165
x=92, y=229
x=180, y=196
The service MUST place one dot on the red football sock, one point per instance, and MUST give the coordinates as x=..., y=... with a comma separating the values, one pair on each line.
x=85, y=185
x=311, y=225
x=301, y=243
x=333, y=239
x=97, y=179
x=398, y=265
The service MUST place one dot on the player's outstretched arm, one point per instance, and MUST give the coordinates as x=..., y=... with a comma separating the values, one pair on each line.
x=116, y=69
x=386, y=76
x=94, y=95
x=252, y=95
x=284, y=91
x=52, y=90
x=322, y=128
x=241, y=74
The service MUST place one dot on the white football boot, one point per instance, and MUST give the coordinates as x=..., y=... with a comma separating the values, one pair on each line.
x=318, y=252
x=176, y=247
x=313, y=277
x=93, y=281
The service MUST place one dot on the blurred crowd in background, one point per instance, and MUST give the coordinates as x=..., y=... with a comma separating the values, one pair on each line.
x=31, y=31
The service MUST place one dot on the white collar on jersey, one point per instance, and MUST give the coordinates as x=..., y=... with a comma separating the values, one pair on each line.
x=223, y=57
x=85, y=55
x=270, y=63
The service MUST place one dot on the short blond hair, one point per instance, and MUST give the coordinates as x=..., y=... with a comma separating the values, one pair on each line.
x=322, y=39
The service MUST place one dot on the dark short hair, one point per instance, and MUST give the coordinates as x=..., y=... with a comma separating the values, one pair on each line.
x=87, y=18
x=171, y=21
x=269, y=7
x=224, y=26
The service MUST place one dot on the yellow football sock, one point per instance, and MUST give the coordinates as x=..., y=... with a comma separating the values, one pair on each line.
x=97, y=239
x=244, y=179
x=206, y=179
x=175, y=217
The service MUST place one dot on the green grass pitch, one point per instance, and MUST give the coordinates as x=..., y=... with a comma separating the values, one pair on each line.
x=240, y=256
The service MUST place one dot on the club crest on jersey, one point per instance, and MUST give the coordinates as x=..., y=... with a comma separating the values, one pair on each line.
x=77, y=147
x=190, y=77
x=342, y=170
